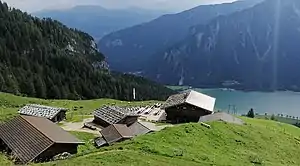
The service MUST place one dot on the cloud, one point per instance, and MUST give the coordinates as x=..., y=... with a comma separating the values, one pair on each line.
x=173, y=5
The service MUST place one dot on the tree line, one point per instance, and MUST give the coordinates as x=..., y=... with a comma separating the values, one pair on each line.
x=43, y=58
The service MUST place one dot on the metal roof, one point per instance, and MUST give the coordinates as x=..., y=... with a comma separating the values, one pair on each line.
x=191, y=97
x=40, y=111
x=116, y=132
x=141, y=128
x=51, y=130
x=27, y=141
x=112, y=114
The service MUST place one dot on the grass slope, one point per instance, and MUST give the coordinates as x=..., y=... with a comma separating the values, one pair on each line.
x=9, y=105
x=260, y=142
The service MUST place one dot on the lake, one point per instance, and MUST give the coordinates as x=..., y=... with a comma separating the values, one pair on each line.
x=284, y=102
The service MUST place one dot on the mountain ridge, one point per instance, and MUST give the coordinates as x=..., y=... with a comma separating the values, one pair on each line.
x=245, y=47
x=43, y=58
x=127, y=49
x=89, y=18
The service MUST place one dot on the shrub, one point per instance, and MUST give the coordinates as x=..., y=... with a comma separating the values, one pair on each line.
x=251, y=113
x=273, y=117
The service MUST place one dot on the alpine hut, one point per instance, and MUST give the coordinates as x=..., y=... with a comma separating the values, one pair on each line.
x=116, y=133
x=35, y=139
x=52, y=113
x=188, y=106
x=109, y=115
x=141, y=128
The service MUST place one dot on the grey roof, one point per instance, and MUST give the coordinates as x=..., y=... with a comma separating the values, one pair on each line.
x=139, y=129
x=99, y=142
x=113, y=114
x=191, y=97
x=116, y=132
x=221, y=116
x=40, y=111
x=27, y=136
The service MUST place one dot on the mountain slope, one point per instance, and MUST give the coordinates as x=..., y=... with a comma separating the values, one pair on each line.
x=98, y=21
x=255, y=49
x=45, y=59
x=259, y=142
x=128, y=49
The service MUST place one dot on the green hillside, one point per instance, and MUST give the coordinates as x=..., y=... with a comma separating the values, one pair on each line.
x=259, y=142
x=9, y=105
x=43, y=58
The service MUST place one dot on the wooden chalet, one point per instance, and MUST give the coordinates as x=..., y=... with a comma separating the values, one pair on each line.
x=35, y=139
x=110, y=115
x=188, y=106
x=52, y=113
x=116, y=133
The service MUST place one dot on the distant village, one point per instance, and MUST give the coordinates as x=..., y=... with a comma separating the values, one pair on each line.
x=35, y=136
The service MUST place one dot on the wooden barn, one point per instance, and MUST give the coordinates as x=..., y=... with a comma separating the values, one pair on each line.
x=116, y=133
x=52, y=113
x=109, y=115
x=188, y=106
x=141, y=128
x=35, y=139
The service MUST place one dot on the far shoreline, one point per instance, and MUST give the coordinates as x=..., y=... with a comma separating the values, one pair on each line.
x=183, y=88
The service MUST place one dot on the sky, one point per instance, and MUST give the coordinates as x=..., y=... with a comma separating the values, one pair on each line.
x=166, y=5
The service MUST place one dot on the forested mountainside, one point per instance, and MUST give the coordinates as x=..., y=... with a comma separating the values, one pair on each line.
x=98, y=21
x=45, y=59
x=128, y=50
x=255, y=49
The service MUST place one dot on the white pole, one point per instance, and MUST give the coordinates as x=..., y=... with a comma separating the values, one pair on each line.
x=133, y=91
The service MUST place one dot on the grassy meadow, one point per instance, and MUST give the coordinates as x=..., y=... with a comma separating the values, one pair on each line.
x=78, y=110
x=258, y=142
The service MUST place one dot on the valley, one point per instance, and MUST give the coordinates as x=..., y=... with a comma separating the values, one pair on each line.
x=98, y=78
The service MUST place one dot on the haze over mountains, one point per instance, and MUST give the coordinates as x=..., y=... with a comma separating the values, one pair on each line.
x=254, y=49
x=43, y=58
x=250, y=45
x=128, y=49
x=99, y=21
x=247, y=44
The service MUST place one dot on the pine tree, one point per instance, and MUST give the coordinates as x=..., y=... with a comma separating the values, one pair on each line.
x=40, y=87
x=251, y=113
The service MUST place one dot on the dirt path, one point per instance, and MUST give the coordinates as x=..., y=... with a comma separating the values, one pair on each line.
x=71, y=126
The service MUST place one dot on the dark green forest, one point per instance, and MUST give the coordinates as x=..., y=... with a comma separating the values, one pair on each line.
x=43, y=58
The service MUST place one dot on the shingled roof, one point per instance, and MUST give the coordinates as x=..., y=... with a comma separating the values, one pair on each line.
x=40, y=111
x=116, y=132
x=141, y=128
x=191, y=97
x=28, y=137
x=113, y=114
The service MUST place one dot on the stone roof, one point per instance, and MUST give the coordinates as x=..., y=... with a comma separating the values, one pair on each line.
x=113, y=114
x=41, y=111
x=191, y=97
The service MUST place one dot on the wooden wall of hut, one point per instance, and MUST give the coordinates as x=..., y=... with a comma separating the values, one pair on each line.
x=185, y=113
x=59, y=117
x=100, y=122
x=55, y=150
x=129, y=120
